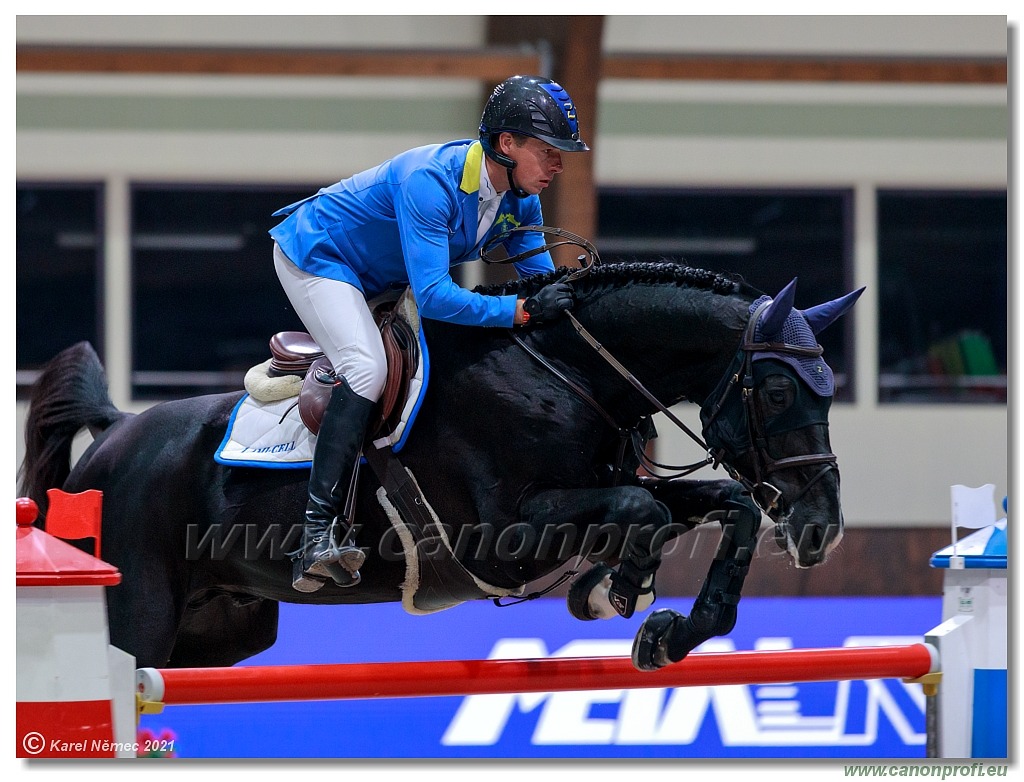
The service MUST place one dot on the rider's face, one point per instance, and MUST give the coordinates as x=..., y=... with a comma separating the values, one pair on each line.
x=536, y=162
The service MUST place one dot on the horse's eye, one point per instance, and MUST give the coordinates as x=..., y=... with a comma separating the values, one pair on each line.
x=777, y=391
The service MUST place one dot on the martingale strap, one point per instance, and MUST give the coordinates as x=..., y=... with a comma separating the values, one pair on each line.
x=626, y=435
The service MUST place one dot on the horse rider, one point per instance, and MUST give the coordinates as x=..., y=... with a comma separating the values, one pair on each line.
x=406, y=222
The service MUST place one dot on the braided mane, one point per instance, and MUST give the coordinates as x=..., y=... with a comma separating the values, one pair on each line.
x=613, y=275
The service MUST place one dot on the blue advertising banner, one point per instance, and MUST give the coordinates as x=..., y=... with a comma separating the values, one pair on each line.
x=882, y=718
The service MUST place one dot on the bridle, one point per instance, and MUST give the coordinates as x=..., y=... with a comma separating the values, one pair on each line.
x=765, y=494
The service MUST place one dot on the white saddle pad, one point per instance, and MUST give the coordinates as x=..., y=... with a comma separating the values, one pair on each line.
x=270, y=433
x=266, y=434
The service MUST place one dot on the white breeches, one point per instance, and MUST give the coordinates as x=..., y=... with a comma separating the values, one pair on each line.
x=336, y=316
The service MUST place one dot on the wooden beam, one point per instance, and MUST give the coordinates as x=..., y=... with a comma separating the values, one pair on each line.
x=491, y=64
x=904, y=70
x=495, y=63
x=579, y=68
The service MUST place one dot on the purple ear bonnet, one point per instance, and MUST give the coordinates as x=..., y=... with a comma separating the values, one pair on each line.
x=796, y=331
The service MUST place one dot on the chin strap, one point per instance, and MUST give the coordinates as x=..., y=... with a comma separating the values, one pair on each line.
x=507, y=162
x=517, y=191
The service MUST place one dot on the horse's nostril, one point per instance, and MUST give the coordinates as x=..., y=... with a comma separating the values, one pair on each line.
x=812, y=540
x=816, y=539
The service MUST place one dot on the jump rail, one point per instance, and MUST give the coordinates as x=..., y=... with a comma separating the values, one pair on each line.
x=265, y=684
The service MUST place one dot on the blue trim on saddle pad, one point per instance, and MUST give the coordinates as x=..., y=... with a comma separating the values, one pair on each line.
x=418, y=401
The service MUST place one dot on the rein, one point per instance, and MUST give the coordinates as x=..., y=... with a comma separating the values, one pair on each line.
x=588, y=259
x=763, y=493
x=627, y=435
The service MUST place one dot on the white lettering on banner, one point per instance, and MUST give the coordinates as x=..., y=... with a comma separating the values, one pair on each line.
x=745, y=715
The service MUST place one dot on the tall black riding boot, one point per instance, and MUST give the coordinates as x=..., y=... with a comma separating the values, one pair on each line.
x=338, y=445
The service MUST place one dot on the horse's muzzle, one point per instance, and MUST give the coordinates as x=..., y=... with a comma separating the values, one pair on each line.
x=812, y=544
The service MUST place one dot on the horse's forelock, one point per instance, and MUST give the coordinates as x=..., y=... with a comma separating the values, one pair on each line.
x=616, y=275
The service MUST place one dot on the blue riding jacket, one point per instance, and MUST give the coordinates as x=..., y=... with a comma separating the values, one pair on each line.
x=409, y=220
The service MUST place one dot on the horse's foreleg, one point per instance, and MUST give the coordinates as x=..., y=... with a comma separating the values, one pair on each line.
x=693, y=502
x=667, y=636
x=623, y=525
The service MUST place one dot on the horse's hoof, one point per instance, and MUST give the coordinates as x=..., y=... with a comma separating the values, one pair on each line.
x=342, y=577
x=578, y=597
x=650, y=647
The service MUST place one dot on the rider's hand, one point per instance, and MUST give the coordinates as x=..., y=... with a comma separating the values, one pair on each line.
x=549, y=302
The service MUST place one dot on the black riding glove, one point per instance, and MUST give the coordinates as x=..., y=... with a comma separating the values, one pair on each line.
x=549, y=302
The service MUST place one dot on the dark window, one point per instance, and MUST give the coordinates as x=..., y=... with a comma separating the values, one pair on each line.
x=766, y=237
x=58, y=255
x=942, y=259
x=206, y=299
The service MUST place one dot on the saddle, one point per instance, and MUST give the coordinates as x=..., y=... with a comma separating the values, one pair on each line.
x=296, y=353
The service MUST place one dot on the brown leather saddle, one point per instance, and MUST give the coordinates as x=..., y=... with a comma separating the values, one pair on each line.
x=296, y=353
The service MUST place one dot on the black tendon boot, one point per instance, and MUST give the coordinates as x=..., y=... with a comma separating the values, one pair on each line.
x=632, y=587
x=338, y=445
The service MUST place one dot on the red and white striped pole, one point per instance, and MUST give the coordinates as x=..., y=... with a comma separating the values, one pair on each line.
x=264, y=684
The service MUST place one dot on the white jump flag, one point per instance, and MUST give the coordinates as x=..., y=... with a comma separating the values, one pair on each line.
x=972, y=509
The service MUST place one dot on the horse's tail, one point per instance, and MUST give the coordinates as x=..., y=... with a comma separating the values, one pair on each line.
x=70, y=394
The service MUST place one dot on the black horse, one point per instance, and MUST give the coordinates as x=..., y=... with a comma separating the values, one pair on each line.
x=523, y=434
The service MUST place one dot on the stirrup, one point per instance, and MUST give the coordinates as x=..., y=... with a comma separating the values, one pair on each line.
x=311, y=560
x=351, y=558
x=345, y=570
x=340, y=565
x=342, y=577
x=317, y=553
x=305, y=582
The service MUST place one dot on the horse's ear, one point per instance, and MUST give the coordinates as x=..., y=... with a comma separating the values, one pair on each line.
x=826, y=314
x=778, y=311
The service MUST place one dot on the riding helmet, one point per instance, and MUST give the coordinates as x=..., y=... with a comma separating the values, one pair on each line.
x=532, y=106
